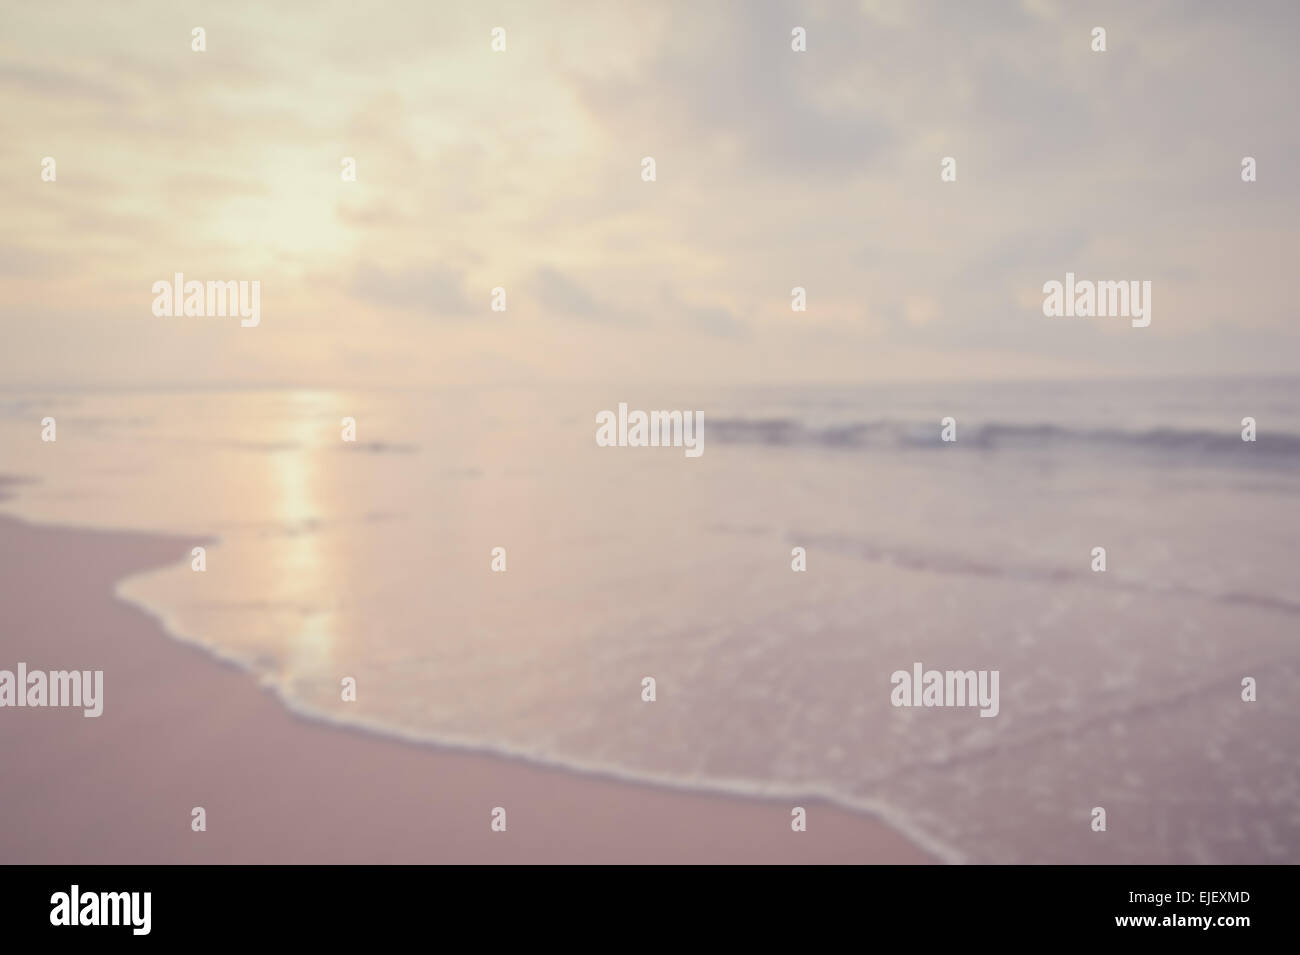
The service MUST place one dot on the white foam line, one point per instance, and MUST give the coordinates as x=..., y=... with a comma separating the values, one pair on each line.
x=888, y=815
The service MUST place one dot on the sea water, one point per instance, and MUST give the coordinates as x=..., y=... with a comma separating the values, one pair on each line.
x=1121, y=689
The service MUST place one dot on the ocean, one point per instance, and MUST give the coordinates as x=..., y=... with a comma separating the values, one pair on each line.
x=373, y=560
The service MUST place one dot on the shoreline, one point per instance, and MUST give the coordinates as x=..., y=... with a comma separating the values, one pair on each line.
x=182, y=728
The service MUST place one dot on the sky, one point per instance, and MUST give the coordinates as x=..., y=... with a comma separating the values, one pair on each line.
x=522, y=169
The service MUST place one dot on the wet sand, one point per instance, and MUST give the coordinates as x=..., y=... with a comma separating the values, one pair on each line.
x=182, y=729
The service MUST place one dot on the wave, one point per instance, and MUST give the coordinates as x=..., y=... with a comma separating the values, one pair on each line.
x=280, y=686
x=933, y=562
x=887, y=434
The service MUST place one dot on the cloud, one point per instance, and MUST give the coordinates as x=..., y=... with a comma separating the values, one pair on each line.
x=732, y=83
x=431, y=289
x=716, y=320
x=58, y=84
x=21, y=262
x=564, y=298
x=776, y=169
